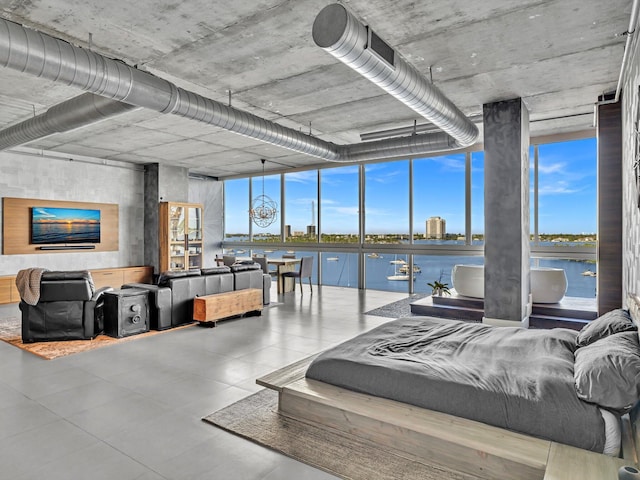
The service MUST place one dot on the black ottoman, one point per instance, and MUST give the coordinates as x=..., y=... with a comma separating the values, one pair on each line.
x=126, y=312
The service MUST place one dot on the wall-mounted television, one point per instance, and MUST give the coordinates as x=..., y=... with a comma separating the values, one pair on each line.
x=51, y=225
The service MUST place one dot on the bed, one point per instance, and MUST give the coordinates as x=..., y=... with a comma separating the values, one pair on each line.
x=466, y=412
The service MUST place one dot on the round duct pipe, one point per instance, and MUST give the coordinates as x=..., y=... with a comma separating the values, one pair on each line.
x=41, y=55
x=44, y=56
x=74, y=113
x=341, y=34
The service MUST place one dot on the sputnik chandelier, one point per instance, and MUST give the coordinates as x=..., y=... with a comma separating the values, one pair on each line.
x=264, y=211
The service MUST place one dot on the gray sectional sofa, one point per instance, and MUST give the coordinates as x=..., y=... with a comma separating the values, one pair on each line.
x=171, y=300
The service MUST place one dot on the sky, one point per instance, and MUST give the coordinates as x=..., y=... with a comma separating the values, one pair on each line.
x=567, y=194
x=48, y=214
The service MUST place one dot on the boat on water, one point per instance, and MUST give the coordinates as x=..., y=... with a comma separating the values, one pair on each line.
x=398, y=275
x=374, y=255
x=405, y=269
x=398, y=262
x=332, y=259
x=401, y=277
x=589, y=273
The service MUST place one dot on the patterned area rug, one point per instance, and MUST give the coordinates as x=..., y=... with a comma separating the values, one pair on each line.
x=10, y=332
x=399, y=309
x=256, y=418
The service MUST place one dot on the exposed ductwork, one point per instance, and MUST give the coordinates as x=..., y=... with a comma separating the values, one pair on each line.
x=41, y=55
x=412, y=145
x=341, y=34
x=74, y=113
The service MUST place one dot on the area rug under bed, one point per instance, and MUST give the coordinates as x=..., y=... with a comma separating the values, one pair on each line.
x=10, y=332
x=397, y=309
x=256, y=418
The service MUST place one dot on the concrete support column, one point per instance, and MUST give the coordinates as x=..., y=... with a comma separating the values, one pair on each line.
x=161, y=184
x=506, y=213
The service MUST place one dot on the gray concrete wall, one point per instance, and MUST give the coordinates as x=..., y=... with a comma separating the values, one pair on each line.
x=173, y=184
x=209, y=193
x=506, y=212
x=33, y=176
x=630, y=188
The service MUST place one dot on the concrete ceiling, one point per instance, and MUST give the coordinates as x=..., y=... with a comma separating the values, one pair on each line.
x=557, y=55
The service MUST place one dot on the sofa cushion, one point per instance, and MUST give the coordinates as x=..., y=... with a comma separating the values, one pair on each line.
x=165, y=277
x=243, y=267
x=215, y=270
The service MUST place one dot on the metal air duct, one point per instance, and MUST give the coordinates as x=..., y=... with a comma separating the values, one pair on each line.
x=74, y=113
x=412, y=145
x=341, y=34
x=44, y=56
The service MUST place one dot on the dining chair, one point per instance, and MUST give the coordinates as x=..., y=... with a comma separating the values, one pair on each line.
x=262, y=261
x=229, y=260
x=305, y=271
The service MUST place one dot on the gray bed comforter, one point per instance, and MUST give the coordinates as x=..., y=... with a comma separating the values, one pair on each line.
x=513, y=378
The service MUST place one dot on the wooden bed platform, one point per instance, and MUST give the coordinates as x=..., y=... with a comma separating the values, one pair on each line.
x=464, y=445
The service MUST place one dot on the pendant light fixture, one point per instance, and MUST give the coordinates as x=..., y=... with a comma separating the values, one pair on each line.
x=264, y=211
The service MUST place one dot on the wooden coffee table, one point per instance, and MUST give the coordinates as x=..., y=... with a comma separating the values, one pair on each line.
x=211, y=308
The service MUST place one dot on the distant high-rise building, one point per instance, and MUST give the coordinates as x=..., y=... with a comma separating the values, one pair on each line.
x=436, y=228
x=287, y=231
x=311, y=230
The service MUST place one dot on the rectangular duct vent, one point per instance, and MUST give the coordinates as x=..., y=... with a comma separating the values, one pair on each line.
x=381, y=49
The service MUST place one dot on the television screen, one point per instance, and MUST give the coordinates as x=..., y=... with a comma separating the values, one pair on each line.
x=64, y=225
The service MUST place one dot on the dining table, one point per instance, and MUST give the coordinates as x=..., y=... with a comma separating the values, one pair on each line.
x=283, y=265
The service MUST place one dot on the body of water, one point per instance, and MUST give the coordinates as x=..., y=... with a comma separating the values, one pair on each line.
x=341, y=269
x=43, y=233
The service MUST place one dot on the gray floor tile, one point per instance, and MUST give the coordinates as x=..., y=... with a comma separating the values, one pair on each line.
x=83, y=397
x=10, y=396
x=226, y=455
x=289, y=468
x=23, y=417
x=162, y=437
x=117, y=415
x=25, y=453
x=133, y=410
x=97, y=462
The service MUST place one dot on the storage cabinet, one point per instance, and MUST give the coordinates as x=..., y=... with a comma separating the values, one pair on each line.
x=180, y=236
x=116, y=277
x=8, y=290
x=107, y=277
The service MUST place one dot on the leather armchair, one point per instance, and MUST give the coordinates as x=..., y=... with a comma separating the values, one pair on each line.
x=69, y=308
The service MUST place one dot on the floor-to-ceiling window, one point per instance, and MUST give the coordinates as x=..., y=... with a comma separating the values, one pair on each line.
x=386, y=220
x=301, y=206
x=439, y=199
x=339, y=204
x=563, y=204
x=236, y=210
x=398, y=225
x=566, y=191
x=268, y=186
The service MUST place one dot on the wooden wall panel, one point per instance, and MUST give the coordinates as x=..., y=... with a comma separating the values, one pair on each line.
x=16, y=219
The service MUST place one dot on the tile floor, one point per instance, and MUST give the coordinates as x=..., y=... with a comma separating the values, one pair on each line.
x=133, y=411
